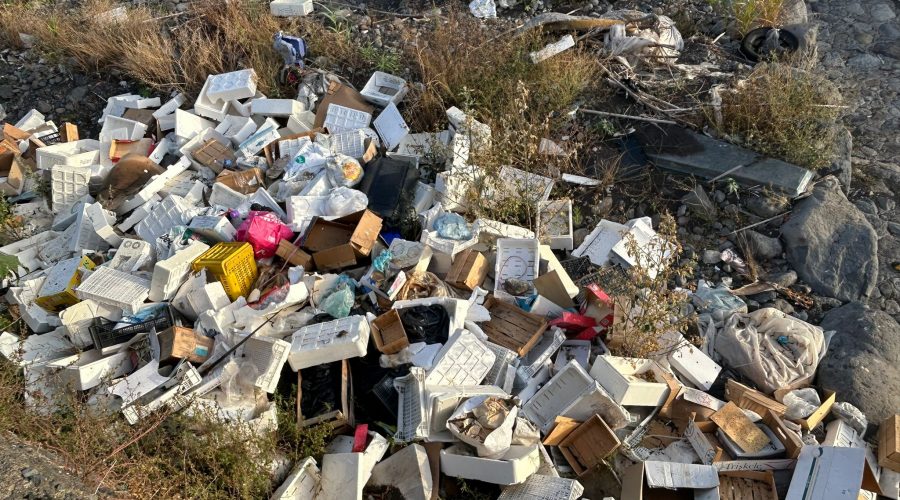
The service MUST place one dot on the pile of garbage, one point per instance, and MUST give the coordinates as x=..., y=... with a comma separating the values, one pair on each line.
x=201, y=259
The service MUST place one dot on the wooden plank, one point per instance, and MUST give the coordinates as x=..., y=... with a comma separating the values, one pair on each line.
x=739, y=428
x=562, y=428
x=589, y=444
x=791, y=441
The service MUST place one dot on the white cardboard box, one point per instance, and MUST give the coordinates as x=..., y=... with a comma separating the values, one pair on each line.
x=516, y=466
x=328, y=342
x=620, y=377
x=690, y=362
x=826, y=472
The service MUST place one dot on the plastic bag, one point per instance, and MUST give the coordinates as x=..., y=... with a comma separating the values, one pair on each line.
x=344, y=170
x=339, y=302
x=428, y=324
x=801, y=403
x=452, y=226
x=852, y=415
x=423, y=285
x=718, y=302
x=381, y=262
x=263, y=230
x=345, y=201
x=310, y=157
x=485, y=422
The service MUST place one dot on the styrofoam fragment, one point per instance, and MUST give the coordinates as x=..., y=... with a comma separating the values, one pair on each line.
x=169, y=274
x=226, y=197
x=327, y=342
x=197, y=296
x=644, y=237
x=538, y=487
x=318, y=186
x=159, y=152
x=141, y=213
x=90, y=368
x=541, y=352
x=186, y=186
x=101, y=222
x=166, y=123
x=464, y=360
x=256, y=142
x=170, y=212
x=83, y=234
x=301, y=484
x=407, y=470
x=213, y=227
x=37, y=319
x=205, y=106
x=269, y=356
x=504, y=359
x=80, y=153
x=276, y=107
x=340, y=118
x=235, y=85
x=173, y=398
x=68, y=184
x=383, y=89
x=108, y=286
x=154, y=186
x=391, y=127
x=26, y=251
x=262, y=197
x=35, y=349
x=187, y=125
x=301, y=122
x=170, y=106
x=412, y=418
x=115, y=127
x=32, y=120
x=79, y=317
x=236, y=128
x=290, y=8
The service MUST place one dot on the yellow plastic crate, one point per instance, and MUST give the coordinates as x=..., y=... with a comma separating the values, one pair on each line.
x=232, y=264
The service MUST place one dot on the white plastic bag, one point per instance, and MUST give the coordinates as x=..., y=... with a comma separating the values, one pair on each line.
x=801, y=403
x=345, y=201
x=344, y=170
x=494, y=417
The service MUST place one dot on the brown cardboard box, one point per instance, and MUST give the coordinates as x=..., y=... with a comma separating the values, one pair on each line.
x=11, y=138
x=184, y=343
x=550, y=285
x=751, y=399
x=294, y=255
x=589, y=444
x=342, y=95
x=469, y=269
x=889, y=443
x=339, y=243
x=810, y=422
x=69, y=132
x=338, y=418
x=388, y=333
x=652, y=480
x=790, y=440
x=562, y=427
x=15, y=177
x=144, y=116
x=513, y=328
x=214, y=154
x=244, y=181
x=120, y=148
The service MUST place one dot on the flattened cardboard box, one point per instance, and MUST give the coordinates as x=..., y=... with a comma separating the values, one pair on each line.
x=469, y=269
x=342, y=95
x=15, y=176
x=244, y=181
x=740, y=429
x=291, y=253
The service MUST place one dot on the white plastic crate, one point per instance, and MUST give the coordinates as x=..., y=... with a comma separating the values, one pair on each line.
x=340, y=119
x=517, y=258
x=80, y=153
x=170, y=274
x=555, y=224
x=328, y=342
x=503, y=372
x=514, y=467
x=206, y=106
x=391, y=127
x=78, y=318
x=464, y=360
x=90, y=368
x=263, y=136
x=383, y=89
x=140, y=213
x=187, y=125
x=557, y=395
x=213, y=227
x=441, y=402
x=223, y=196
x=170, y=212
x=116, y=127
x=412, y=417
x=235, y=85
x=170, y=106
x=301, y=484
x=68, y=184
x=540, y=487
x=621, y=379
x=236, y=128
x=155, y=185
x=115, y=288
x=269, y=356
x=276, y=107
x=173, y=398
x=597, y=245
x=291, y=8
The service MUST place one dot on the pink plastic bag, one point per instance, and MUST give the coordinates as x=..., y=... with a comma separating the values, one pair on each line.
x=263, y=230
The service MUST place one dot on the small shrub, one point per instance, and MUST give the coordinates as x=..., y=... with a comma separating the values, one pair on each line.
x=750, y=14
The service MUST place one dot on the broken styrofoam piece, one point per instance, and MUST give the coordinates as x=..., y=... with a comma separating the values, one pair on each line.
x=407, y=470
x=236, y=129
x=68, y=184
x=80, y=153
x=36, y=317
x=206, y=106
x=391, y=127
x=341, y=119
x=187, y=125
x=301, y=484
x=170, y=106
x=599, y=243
x=79, y=317
x=26, y=251
x=139, y=214
x=290, y=8
x=269, y=356
x=345, y=473
x=262, y=197
x=327, y=342
x=132, y=255
x=442, y=401
x=123, y=129
x=540, y=487
x=623, y=380
x=412, y=416
x=172, y=211
x=170, y=274
x=538, y=356
x=464, y=360
x=115, y=288
x=155, y=185
x=197, y=296
x=174, y=398
x=235, y=85
x=503, y=372
x=301, y=122
x=32, y=120
x=90, y=368
x=36, y=349
x=645, y=238
x=552, y=49
x=384, y=89
x=276, y=107
x=263, y=136
x=224, y=196
x=519, y=463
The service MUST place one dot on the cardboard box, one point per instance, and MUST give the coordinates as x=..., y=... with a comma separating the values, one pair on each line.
x=339, y=243
x=215, y=155
x=889, y=443
x=810, y=422
x=388, y=333
x=244, y=181
x=342, y=95
x=598, y=305
x=58, y=290
x=339, y=417
x=588, y=444
x=469, y=269
x=12, y=171
x=289, y=252
x=513, y=328
x=184, y=343
x=827, y=472
x=791, y=441
x=69, y=132
x=652, y=480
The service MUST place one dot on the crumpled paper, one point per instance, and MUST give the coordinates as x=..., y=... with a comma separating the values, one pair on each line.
x=486, y=423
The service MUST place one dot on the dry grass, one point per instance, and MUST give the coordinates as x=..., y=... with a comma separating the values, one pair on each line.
x=750, y=14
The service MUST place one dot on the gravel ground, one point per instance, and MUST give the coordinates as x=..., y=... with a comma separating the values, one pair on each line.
x=32, y=473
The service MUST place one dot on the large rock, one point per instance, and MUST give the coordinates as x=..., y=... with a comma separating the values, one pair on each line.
x=831, y=245
x=863, y=360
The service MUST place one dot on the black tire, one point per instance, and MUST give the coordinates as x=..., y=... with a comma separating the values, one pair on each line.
x=752, y=44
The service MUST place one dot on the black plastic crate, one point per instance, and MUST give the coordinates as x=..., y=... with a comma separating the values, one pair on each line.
x=104, y=334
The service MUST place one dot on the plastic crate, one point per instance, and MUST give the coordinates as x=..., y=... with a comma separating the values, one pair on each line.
x=105, y=335
x=232, y=264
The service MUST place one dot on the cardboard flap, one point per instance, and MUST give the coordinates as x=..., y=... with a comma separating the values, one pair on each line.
x=551, y=286
x=563, y=426
x=674, y=475
x=342, y=95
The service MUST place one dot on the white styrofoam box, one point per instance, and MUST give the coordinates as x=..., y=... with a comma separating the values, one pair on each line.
x=163, y=147
x=83, y=234
x=318, y=186
x=256, y=142
x=519, y=183
x=166, y=123
x=90, y=368
x=391, y=127
x=514, y=467
x=113, y=127
x=542, y=306
x=170, y=106
x=412, y=414
x=574, y=350
x=407, y=470
x=213, y=227
x=351, y=143
x=445, y=246
x=174, y=398
x=557, y=395
x=301, y=210
x=79, y=317
x=383, y=89
x=517, y=258
x=205, y=106
x=341, y=477
x=236, y=128
x=301, y=484
x=231, y=86
x=262, y=197
x=102, y=222
x=35, y=349
x=276, y=107
x=155, y=185
x=269, y=356
x=26, y=250
x=290, y=8
x=464, y=125
x=340, y=118
x=170, y=212
x=538, y=356
x=32, y=120
x=646, y=239
x=540, y=487
x=442, y=401
x=621, y=379
x=115, y=288
x=301, y=122
x=599, y=243
x=80, y=153
x=691, y=362
x=187, y=125
x=139, y=214
x=549, y=263
x=426, y=144
x=457, y=309
x=68, y=184
x=327, y=342
x=555, y=224
x=223, y=196
x=451, y=190
x=170, y=274
x=464, y=360
x=197, y=296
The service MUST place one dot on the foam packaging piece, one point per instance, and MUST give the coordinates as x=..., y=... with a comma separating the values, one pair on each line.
x=115, y=288
x=464, y=360
x=290, y=8
x=327, y=342
x=514, y=467
x=235, y=85
x=68, y=184
x=169, y=274
x=301, y=484
x=172, y=211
